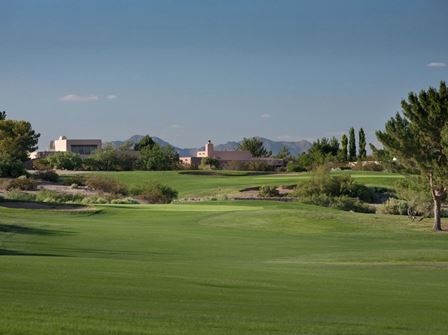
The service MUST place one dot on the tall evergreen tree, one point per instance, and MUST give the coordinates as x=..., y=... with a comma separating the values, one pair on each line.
x=255, y=146
x=344, y=148
x=362, y=153
x=352, y=145
x=418, y=138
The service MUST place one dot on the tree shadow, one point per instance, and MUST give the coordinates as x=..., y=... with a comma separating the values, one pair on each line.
x=7, y=252
x=15, y=229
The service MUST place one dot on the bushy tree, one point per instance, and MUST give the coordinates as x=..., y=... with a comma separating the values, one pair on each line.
x=418, y=138
x=255, y=146
x=145, y=142
x=352, y=145
x=64, y=161
x=362, y=153
x=158, y=158
x=284, y=153
x=110, y=159
x=17, y=140
x=209, y=163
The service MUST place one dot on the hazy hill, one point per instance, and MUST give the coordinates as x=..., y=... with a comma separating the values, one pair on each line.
x=295, y=147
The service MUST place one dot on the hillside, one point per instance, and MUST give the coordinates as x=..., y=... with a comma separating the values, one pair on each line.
x=295, y=147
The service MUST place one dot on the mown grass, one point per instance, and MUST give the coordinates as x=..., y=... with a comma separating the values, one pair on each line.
x=195, y=184
x=220, y=268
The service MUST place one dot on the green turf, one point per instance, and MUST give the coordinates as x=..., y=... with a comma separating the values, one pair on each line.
x=220, y=268
x=192, y=185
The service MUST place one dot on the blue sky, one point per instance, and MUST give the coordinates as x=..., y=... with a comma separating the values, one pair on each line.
x=192, y=70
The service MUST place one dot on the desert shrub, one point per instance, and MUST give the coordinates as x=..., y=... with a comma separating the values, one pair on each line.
x=209, y=163
x=322, y=182
x=395, y=207
x=10, y=167
x=344, y=203
x=106, y=184
x=41, y=164
x=64, y=160
x=124, y=201
x=258, y=166
x=58, y=197
x=156, y=193
x=47, y=175
x=18, y=195
x=23, y=184
x=72, y=180
x=95, y=199
x=294, y=166
x=368, y=166
x=268, y=191
x=415, y=191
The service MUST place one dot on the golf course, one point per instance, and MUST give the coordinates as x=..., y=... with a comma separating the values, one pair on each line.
x=221, y=267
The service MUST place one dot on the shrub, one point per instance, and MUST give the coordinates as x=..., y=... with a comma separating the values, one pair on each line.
x=268, y=192
x=106, y=184
x=10, y=167
x=395, y=207
x=16, y=194
x=345, y=203
x=156, y=193
x=41, y=164
x=23, y=184
x=124, y=201
x=293, y=166
x=209, y=163
x=48, y=175
x=76, y=179
x=58, y=197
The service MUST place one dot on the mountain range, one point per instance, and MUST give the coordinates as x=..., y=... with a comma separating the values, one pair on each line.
x=294, y=147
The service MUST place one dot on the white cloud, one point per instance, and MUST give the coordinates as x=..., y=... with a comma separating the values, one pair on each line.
x=265, y=116
x=176, y=126
x=436, y=64
x=111, y=97
x=79, y=98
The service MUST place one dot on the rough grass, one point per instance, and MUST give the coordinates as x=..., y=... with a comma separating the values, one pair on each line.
x=220, y=268
x=219, y=183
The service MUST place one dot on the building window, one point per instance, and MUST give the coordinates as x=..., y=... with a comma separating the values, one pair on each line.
x=83, y=149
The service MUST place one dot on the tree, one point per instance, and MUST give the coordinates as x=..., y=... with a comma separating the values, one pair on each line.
x=352, y=145
x=2, y=116
x=344, y=148
x=362, y=153
x=284, y=153
x=145, y=142
x=210, y=163
x=64, y=160
x=17, y=140
x=158, y=158
x=255, y=146
x=418, y=138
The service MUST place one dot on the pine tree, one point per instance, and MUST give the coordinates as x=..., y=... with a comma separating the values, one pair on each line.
x=344, y=149
x=418, y=138
x=352, y=145
x=362, y=153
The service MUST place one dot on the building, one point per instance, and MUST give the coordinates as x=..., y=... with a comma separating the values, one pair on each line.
x=77, y=146
x=83, y=147
x=227, y=158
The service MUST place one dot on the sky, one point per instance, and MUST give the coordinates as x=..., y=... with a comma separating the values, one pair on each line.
x=189, y=71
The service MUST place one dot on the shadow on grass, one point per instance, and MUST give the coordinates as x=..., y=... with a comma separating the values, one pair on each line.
x=15, y=229
x=6, y=252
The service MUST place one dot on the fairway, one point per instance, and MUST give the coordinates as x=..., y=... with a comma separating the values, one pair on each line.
x=200, y=183
x=220, y=268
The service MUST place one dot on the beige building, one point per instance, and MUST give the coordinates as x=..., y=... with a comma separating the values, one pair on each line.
x=77, y=146
x=225, y=158
x=83, y=147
